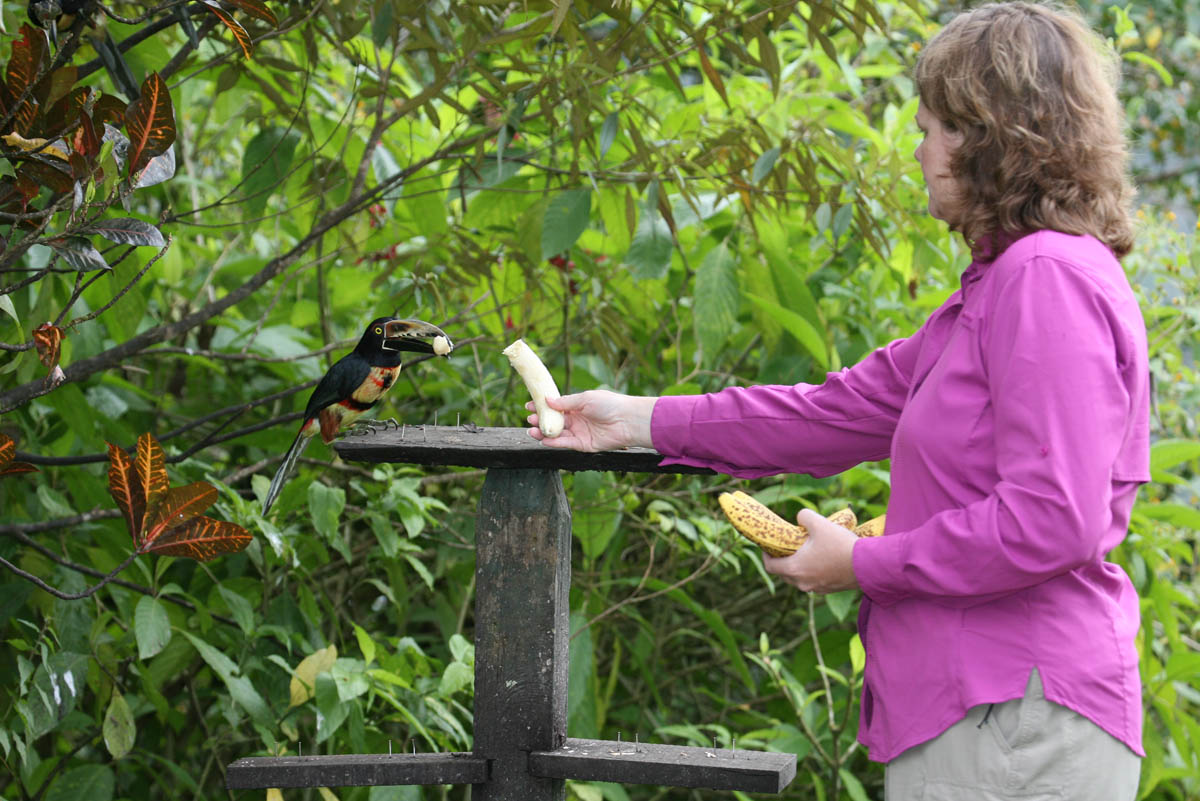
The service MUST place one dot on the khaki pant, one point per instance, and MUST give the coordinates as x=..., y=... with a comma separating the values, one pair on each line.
x=1028, y=749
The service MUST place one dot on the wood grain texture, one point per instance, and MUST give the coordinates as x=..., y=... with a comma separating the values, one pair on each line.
x=355, y=770
x=522, y=608
x=666, y=765
x=469, y=446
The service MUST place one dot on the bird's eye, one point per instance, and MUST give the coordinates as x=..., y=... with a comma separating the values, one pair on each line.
x=378, y=330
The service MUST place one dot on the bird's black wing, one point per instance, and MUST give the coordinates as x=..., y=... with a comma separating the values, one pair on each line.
x=347, y=375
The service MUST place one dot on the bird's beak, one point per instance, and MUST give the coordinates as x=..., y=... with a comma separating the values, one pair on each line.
x=417, y=336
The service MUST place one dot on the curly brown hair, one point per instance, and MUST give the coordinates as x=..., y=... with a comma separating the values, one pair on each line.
x=1033, y=90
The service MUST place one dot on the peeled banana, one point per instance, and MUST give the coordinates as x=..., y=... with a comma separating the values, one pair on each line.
x=777, y=536
x=540, y=384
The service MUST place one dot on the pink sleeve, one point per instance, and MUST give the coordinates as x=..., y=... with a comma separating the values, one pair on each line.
x=817, y=429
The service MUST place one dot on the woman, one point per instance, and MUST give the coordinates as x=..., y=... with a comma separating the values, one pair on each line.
x=1000, y=644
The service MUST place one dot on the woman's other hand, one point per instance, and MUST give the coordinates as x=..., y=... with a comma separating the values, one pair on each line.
x=823, y=564
x=598, y=420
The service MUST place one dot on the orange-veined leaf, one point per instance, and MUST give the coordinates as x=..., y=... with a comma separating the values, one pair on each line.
x=28, y=57
x=239, y=33
x=151, y=469
x=150, y=121
x=257, y=9
x=8, y=449
x=123, y=486
x=201, y=538
x=47, y=338
x=179, y=505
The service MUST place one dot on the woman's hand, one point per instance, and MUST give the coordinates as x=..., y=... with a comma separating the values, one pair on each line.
x=598, y=420
x=824, y=563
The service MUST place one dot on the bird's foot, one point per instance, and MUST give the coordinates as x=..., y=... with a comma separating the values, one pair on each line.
x=363, y=427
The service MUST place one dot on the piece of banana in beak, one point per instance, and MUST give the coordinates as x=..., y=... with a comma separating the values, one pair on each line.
x=417, y=336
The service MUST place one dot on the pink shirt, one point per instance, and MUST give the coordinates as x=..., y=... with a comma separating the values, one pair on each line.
x=1017, y=424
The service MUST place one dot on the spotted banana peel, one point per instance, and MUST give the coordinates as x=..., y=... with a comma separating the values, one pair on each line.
x=777, y=536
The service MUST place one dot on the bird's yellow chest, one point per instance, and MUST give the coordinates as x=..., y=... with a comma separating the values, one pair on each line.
x=377, y=382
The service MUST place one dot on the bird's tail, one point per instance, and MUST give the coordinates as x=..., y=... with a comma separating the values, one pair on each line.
x=285, y=470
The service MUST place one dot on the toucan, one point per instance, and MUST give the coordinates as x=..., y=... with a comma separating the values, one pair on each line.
x=356, y=382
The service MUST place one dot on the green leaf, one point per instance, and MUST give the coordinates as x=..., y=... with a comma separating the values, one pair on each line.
x=325, y=506
x=242, y=611
x=716, y=301
x=649, y=253
x=1168, y=453
x=764, y=164
x=365, y=644
x=151, y=626
x=565, y=219
x=240, y=687
x=119, y=731
x=332, y=710
x=1174, y=514
x=91, y=782
x=265, y=163
x=455, y=678
x=1151, y=62
x=797, y=326
x=608, y=132
x=854, y=787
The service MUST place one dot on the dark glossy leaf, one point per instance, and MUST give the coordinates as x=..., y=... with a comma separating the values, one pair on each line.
x=127, y=231
x=201, y=538
x=161, y=168
x=150, y=121
x=177, y=506
x=87, y=141
x=239, y=33
x=47, y=338
x=109, y=109
x=79, y=253
x=28, y=57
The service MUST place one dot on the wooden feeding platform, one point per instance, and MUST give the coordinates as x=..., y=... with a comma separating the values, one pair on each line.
x=522, y=562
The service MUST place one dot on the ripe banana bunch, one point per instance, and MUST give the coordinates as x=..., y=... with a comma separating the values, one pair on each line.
x=777, y=536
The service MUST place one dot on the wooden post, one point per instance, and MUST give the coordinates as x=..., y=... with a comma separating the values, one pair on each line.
x=522, y=581
x=522, y=586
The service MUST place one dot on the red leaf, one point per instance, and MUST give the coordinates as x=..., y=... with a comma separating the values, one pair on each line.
x=150, y=121
x=47, y=338
x=123, y=486
x=87, y=142
x=179, y=505
x=256, y=9
x=239, y=32
x=151, y=469
x=28, y=56
x=201, y=538
x=14, y=468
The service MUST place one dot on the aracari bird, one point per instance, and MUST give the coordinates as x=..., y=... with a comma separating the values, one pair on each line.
x=356, y=382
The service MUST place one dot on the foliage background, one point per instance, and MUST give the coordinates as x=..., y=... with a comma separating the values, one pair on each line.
x=663, y=200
